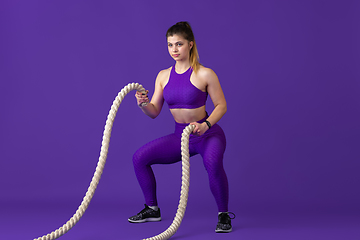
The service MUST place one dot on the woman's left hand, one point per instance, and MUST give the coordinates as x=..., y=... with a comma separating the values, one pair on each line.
x=200, y=128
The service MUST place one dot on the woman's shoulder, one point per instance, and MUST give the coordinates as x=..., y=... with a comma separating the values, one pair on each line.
x=164, y=72
x=163, y=76
x=205, y=72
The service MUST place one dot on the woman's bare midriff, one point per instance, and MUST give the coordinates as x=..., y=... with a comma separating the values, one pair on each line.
x=183, y=115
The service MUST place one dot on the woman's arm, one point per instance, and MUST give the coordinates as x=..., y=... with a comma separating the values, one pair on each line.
x=217, y=96
x=153, y=108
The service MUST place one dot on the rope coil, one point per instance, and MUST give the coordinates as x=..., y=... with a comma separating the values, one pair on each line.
x=170, y=231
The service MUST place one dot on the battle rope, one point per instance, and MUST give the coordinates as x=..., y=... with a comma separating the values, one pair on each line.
x=100, y=167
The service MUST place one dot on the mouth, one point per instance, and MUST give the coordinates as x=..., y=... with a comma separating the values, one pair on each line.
x=176, y=55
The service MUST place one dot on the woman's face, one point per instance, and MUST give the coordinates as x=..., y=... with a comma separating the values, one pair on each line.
x=179, y=48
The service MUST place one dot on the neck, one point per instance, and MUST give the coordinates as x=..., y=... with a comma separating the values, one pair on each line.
x=182, y=66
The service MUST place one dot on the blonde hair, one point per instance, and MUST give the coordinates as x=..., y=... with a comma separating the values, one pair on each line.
x=184, y=29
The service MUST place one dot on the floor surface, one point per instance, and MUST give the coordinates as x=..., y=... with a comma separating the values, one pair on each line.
x=29, y=221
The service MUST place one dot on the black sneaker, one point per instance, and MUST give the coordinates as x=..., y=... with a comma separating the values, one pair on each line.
x=146, y=215
x=224, y=224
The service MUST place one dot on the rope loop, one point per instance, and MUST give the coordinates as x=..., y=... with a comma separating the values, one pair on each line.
x=101, y=164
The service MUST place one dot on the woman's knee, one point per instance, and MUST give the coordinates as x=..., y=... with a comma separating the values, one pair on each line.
x=139, y=158
x=214, y=165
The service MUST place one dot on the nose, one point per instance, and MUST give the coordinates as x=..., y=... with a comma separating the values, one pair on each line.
x=174, y=48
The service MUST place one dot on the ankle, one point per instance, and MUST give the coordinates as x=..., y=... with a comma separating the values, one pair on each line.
x=155, y=208
x=223, y=212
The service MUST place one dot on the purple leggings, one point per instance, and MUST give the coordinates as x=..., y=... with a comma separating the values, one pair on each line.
x=167, y=149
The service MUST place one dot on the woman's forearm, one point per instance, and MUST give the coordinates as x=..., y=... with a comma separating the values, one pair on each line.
x=150, y=110
x=217, y=113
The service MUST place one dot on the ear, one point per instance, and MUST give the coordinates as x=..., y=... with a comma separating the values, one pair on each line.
x=191, y=44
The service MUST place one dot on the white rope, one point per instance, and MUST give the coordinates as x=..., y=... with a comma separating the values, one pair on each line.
x=184, y=187
x=101, y=164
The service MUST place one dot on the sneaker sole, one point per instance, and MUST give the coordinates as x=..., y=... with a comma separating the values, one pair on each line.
x=145, y=220
x=223, y=231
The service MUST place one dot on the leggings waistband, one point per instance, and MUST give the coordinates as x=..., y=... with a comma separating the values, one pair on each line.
x=179, y=127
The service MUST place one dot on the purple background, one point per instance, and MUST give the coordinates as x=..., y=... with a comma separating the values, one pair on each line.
x=290, y=74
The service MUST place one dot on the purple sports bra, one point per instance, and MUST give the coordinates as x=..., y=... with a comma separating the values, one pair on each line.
x=179, y=92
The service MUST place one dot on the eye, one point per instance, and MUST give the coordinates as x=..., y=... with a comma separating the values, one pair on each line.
x=179, y=44
x=169, y=45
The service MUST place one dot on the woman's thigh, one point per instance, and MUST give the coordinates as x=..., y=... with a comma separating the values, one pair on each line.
x=212, y=147
x=164, y=150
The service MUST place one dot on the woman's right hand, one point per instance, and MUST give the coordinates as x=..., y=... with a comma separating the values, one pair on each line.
x=142, y=97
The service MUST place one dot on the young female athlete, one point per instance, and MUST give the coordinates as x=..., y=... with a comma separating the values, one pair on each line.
x=185, y=87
